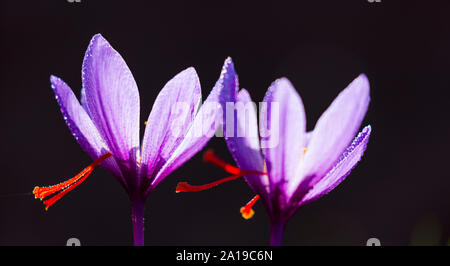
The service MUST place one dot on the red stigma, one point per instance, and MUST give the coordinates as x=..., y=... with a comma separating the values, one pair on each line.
x=65, y=187
x=210, y=157
x=185, y=187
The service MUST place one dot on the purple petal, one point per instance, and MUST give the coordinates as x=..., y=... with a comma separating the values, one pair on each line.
x=283, y=148
x=333, y=132
x=205, y=123
x=111, y=98
x=170, y=118
x=342, y=169
x=244, y=144
x=81, y=125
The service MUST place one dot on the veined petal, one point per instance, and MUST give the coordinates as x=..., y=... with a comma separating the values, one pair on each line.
x=111, y=99
x=283, y=147
x=171, y=116
x=244, y=142
x=83, y=99
x=205, y=123
x=81, y=125
x=333, y=132
x=342, y=169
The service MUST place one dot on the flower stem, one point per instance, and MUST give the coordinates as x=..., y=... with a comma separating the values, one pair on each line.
x=137, y=217
x=276, y=233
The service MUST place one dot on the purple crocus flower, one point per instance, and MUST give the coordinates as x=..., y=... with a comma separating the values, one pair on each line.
x=106, y=125
x=290, y=167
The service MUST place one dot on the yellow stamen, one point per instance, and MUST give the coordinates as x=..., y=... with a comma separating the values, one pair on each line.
x=303, y=154
x=247, y=214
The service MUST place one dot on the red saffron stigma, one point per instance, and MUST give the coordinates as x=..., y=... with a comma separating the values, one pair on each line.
x=210, y=157
x=185, y=187
x=247, y=211
x=67, y=186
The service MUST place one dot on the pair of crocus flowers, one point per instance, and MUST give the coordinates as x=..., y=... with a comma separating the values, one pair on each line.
x=302, y=167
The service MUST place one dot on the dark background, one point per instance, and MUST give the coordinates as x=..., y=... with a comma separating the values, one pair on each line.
x=398, y=193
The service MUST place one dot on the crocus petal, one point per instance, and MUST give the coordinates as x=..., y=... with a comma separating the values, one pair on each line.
x=205, y=123
x=81, y=125
x=244, y=143
x=111, y=98
x=342, y=169
x=83, y=99
x=333, y=132
x=283, y=148
x=170, y=118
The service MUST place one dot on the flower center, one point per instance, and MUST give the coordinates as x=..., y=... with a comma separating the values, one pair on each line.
x=65, y=187
x=210, y=157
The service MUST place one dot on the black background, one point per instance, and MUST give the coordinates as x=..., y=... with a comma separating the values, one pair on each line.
x=398, y=193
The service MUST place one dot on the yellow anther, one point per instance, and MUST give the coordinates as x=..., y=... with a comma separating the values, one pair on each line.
x=303, y=155
x=247, y=213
